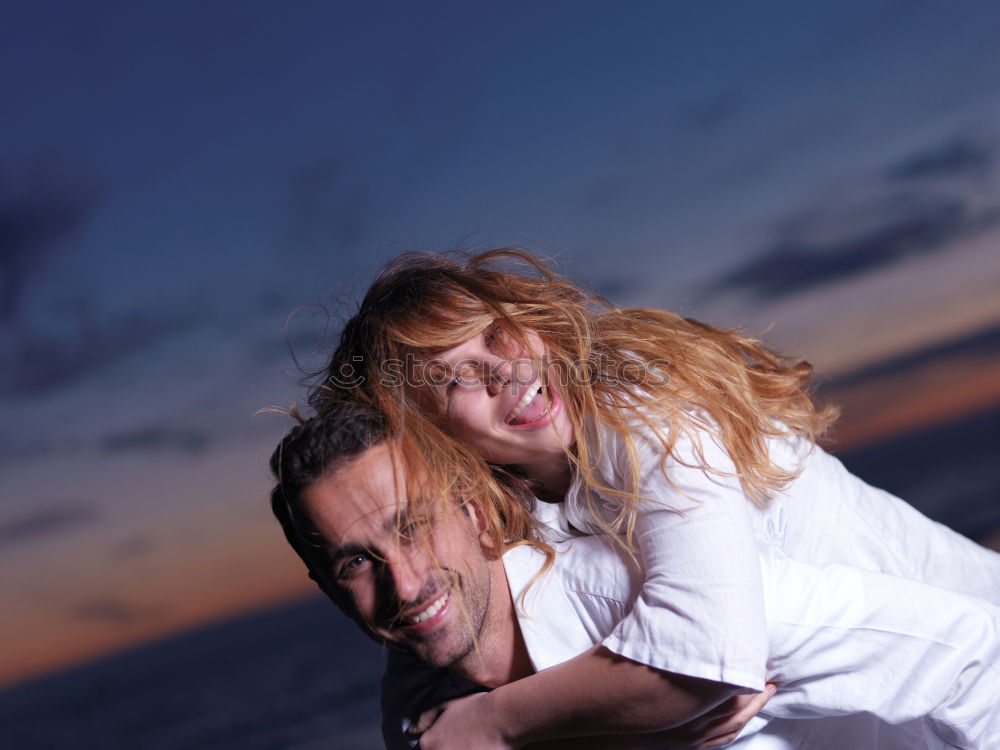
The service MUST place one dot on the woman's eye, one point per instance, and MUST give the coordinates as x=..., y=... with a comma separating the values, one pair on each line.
x=491, y=337
x=453, y=384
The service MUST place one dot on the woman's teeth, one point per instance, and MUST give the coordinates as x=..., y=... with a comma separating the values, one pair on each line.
x=428, y=613
x=522, y=404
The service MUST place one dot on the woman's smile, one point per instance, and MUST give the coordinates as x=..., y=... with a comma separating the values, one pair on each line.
x=534, y=398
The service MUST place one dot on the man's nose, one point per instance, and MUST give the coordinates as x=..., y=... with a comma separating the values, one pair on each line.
x=406, y=575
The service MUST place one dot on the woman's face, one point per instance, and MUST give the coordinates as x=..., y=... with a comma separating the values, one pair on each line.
x=502, y=405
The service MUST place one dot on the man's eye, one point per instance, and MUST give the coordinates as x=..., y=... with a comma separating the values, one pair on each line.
x=413, y=530
x=352, y=566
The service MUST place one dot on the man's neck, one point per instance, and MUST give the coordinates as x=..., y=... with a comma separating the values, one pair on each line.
x=501, y=655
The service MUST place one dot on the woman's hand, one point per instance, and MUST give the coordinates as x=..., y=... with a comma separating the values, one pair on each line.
x=722, y=724
x=461, y=724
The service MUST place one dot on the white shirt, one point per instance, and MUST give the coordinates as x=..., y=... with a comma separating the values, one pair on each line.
x=842, y=641
x=701, y=608
x=863, y=660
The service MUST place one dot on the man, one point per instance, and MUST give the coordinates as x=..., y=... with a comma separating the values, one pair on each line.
x=426, y=579
x=432, y=586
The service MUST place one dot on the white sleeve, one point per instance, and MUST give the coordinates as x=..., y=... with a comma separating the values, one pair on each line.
x=848, y=641
x=700, y=612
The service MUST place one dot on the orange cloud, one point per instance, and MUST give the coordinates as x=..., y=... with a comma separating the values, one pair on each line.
x=931, y=394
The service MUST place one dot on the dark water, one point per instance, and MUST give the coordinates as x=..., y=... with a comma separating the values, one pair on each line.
x=299, y=677
x=303, y=676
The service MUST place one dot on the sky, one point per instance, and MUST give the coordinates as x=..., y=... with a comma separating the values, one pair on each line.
x=193, y=195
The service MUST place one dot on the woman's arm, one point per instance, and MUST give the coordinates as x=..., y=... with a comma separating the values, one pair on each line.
x=594, y=693
x=617, y=712
x=711, y=730
x=700, y=611
x=600, y=692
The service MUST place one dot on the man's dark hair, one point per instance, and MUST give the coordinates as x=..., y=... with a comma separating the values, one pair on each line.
x=316, y=448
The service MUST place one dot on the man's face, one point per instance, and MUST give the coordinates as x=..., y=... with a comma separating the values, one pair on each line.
x=417, y=581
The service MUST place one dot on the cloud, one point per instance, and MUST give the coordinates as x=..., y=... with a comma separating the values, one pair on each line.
x=815, y=250
x=46, y=522
x=929, y=385
x=155, y=438
x=330, y=207
x=957, y=157
x=33, y=362
x=17, y=448
x=614, y=288
x=716, y=112
x=37, y=218
x=978, y=343
x=605, y=194
x=150, y=438
x=131, y=547
x=111, y=611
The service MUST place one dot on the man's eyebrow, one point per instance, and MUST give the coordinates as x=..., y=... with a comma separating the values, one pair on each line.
x=399, y=519
x=419, y=512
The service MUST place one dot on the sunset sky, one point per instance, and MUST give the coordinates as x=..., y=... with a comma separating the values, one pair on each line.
x=177, y=179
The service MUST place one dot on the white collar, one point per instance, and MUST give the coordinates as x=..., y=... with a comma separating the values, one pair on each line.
x=552, y=630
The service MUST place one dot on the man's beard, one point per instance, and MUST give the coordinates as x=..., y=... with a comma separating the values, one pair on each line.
x=458, y=637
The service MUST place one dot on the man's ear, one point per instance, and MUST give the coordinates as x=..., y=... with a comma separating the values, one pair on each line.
x=482, y=528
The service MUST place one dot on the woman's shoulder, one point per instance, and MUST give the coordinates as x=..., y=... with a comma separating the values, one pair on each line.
x=694, y=439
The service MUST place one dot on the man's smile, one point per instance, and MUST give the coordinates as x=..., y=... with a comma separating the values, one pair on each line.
x=429, y=617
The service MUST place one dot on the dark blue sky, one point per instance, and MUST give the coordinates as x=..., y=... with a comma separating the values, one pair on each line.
x=176, y=178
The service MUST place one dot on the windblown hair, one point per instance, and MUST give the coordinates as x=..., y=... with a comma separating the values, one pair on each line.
x=344, y=428
x=623, y=368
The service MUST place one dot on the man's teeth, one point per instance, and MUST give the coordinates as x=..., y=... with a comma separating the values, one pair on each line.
x=428, y=613
x=527, y=398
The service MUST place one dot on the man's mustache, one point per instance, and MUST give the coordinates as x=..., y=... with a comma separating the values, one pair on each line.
x=397, y=612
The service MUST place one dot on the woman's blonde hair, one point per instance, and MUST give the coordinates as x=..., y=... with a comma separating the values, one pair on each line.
x=625, y=368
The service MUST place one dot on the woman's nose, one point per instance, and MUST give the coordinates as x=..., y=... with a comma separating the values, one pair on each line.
x=497, y=376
